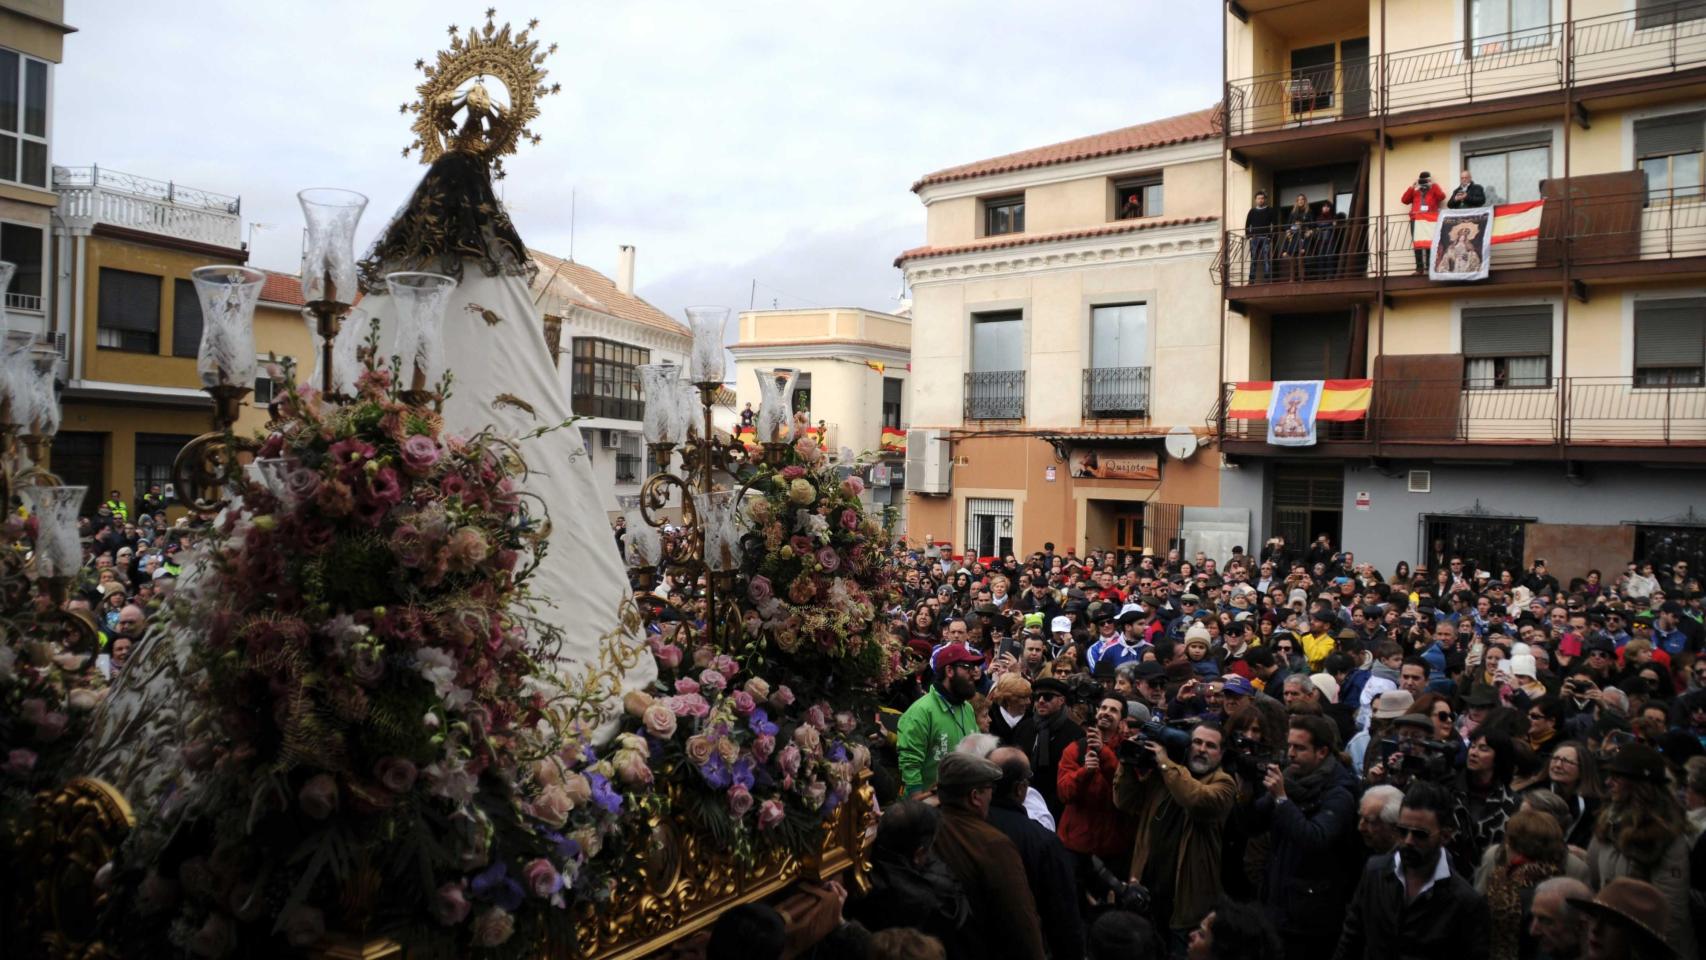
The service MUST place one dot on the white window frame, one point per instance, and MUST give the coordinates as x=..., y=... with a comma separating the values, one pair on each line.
x=46, y=267
x=46, y=139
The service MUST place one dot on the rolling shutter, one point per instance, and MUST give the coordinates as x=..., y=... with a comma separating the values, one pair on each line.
x=1507, y=332
x=1670, y=333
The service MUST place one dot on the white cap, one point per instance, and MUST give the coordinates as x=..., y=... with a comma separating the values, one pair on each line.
x=1325, y=683
x=1061, y=625
x=1523, y=665
x=1128, y=608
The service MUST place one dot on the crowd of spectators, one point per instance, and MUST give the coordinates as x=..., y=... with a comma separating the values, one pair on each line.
x=131, y=564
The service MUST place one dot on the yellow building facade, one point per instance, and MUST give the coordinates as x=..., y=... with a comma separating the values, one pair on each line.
x=1554, y=409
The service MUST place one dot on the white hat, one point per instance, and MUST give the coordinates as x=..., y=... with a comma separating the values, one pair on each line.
x=1129, y=608
x=1297, y=596
x=1520, y=649
x=1197, y=632
x=1061, y=625
x=1522, y=665
x=1325, y=683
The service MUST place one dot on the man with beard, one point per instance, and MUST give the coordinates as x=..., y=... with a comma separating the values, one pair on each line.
x=1181, y=812
x=1412, y=903
x=1050, y=733
x=1090, y=823
x=928, y=730
x=1049, y=868
x=1310, y=810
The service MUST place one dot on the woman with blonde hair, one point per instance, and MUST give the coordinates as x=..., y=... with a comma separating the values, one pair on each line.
x=1009, y=704
x=1533, y=851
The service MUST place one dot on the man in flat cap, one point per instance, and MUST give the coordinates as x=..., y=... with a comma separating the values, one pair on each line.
x=1004, y=914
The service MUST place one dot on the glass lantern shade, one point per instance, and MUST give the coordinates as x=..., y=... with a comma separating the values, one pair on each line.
x=706, y=363
x=689, y=409
x=228, y=294
x=58, y=553
x=44, y=411
x=661, y=422
x=645, y=545
x=7, y=271
x=328, y=262
x=776, y=404
x=421, y=299
x=720, y=523
x=17, y=389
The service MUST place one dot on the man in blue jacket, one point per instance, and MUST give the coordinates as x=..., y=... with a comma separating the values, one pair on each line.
x=1309, y=809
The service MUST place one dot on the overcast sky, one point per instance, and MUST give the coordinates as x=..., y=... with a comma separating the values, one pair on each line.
x=730, y=142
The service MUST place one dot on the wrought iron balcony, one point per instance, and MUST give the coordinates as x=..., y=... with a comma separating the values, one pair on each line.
x=995, y=395
x=1653, y=41
x=91, y=195
x=1116, y=393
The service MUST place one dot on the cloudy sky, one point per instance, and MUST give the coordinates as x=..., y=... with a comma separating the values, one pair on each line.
x=731, y=142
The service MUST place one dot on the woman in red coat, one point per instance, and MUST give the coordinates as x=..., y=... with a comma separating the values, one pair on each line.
x=1422, y=197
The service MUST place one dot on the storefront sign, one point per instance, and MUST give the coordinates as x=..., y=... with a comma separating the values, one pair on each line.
x=1107, y=464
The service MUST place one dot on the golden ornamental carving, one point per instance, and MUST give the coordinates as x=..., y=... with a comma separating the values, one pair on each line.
x=72, y=833
x=456, y=111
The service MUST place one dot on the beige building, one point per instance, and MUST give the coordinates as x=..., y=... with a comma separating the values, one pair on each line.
x=1064, y=324
x=853, y=378
x=32, y=35
x=1556, y=408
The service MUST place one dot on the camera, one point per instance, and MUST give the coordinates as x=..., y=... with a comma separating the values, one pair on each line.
x=1174, y=739
x=1084, y=691
x=1249, y=756
x=1411, y=760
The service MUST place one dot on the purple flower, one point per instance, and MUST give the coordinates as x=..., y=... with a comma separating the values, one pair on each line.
x=604, y=794
x=759, y=589
x=494, y=884
x=384, y=487
x=349, y=455
x=760, y=723
x=742, y=773
x=418, y=454
x=828, y=559
x=716, y=773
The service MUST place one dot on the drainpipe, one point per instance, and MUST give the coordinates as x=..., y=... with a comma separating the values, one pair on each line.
x=74, y=364
x=1562, y=379
x=1380, y=231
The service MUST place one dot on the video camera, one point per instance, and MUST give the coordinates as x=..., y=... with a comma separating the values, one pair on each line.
x=1249, y=756
x=1174, y=737
x=1411, y=760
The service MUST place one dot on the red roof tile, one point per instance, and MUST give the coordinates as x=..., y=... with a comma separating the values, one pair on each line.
x=1020, y=239
x=1184, y=128
x=285, y=288
x=587, y=287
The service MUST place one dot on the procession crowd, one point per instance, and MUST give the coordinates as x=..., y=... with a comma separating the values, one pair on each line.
x=1290, y=754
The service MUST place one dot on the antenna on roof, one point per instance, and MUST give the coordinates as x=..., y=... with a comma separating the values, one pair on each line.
x=752, y=298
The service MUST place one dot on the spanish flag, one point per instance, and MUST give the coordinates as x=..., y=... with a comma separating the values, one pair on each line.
x=894, y=441
x=1511, y=222
x=1340, y=399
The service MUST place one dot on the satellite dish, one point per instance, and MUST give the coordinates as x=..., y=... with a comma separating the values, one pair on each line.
x=1181, y=442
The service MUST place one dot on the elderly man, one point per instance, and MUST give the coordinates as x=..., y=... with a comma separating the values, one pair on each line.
x=1558, y=928
x=1004, y=920
x=1377, y=818
x=1049, y=867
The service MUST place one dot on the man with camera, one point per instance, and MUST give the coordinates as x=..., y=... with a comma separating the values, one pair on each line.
x=1310, y=811
x=1422, y=197
x=1090, y=823
x=1181, y=810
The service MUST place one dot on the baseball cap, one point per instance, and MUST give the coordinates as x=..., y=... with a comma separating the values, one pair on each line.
x=955, y=653
x=1237, y=686
x=1061, y=625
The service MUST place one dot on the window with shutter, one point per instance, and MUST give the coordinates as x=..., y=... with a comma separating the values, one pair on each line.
x=1670, y=343
x=186, y=319
x=1668, y=151
x=129, y=311
x=1656, y=14
x=1507, y=347
x=1511, y=168
x=997, y=341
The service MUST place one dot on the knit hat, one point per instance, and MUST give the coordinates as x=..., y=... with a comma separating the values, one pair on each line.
x=1325, y=683
x=1197, y=632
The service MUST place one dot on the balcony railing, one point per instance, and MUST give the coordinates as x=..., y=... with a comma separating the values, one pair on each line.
x=1113, y=393
x=1617, y=46
x=1603, y=411
x=23, y=301
x=91, y=195
x=1616, y=228
x=995, y=395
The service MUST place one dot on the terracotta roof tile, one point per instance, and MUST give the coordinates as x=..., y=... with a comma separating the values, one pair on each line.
x=582, y=285
x=1021, y=239
x=285, y=288
x=1184, y=128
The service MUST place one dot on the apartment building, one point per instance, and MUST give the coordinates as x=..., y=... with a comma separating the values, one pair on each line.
x=32, y=35
x=851, y=384
x=1063, y=326
x=602, y=331
x=1555, y=408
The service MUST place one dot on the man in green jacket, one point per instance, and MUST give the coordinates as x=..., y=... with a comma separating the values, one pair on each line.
x=937, y=721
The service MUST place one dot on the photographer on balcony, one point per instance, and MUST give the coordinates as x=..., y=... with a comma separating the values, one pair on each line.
x=1181, y=801
x=1422, y=197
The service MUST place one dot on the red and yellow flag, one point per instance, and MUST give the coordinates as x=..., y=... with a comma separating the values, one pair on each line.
x=1340, y=399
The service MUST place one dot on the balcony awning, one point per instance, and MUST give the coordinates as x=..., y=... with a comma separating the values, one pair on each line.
x=1340, y=400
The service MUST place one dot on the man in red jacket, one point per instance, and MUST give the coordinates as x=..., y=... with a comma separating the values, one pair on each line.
x=1422, y=197
x=1090, y=824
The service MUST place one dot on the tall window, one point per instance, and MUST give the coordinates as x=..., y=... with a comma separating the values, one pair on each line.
x=1507, y=347
x=1668, y=151
x=1509, y=168
x=989, y=527
x=1004, y=215
x=1493, y=22
x=23, y=119
x=186, y=319
x=155, y=453
x=605, y=383
x=997, y=341
x=803, y=395
x=129, y=317
x=1119, y=335
x=1138, y=197
x=628, y=459
x=1652, y=14
x=23, y=245
x=893, y=388
x=1670, y=343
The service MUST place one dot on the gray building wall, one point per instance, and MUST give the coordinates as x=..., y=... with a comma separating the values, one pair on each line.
x=1245, y=487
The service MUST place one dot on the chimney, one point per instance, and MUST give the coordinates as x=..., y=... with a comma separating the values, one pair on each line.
x=625, y=268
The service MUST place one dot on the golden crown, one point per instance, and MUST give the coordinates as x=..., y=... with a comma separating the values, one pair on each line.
x=450, y=116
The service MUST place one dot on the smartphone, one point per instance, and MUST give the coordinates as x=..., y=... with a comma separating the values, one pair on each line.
x=1012, y=647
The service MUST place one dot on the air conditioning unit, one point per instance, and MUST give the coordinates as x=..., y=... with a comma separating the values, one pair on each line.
x=1421, y=481
x=612, y=440
x=928, y=466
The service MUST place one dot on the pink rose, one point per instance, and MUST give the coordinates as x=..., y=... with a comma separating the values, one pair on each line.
x=303, y=925
x=743, y=702
x=493, y=927
x=659, y=720
x=686, y=685
x=783, y=697
x=789, y=759
x=740, y=801
x=301, y=484
x=19, y=762
x=725, y=665
x=699, y=749
x=552, y=806
x=703, y=655
x=689, y=705
x=818, y=715
x=758, y=687
x=418, y=454
x=319, y=796
x=802, y=544
x=852, y=486
x=763, y=746
x=467, y=548
x=759, y=589
x=541, y=878
x=828, y=559
x=450, y=905
x=845, y=722
x=712, y=680
x=792, y=473
x=770, y=813
x=631, y=768
x=668, y=656
x=808, y=739
x=635, y=702
x=396, y=774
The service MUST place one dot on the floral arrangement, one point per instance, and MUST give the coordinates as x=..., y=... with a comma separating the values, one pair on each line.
x=381, y=745
x=49, y=686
